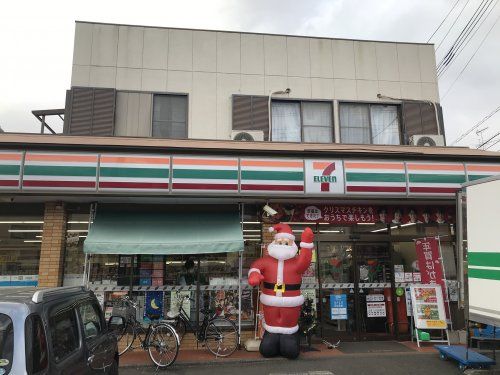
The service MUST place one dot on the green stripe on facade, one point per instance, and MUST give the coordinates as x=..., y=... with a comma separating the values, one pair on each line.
x=437, y=178
x=133, y=172
x=484, y=274
x=484, y=259
x=9, y=169
x=216, y=174
x=272, y=175
x=473, y=177
x=42, y=170
x=375, y=177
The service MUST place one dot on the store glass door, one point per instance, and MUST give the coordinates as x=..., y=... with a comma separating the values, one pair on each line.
x=337, y=294
x=373, y=290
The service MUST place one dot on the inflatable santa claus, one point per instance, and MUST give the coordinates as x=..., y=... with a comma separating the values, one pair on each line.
x=280, y=276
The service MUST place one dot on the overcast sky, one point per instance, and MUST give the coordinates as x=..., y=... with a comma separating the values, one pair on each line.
x=36, y=44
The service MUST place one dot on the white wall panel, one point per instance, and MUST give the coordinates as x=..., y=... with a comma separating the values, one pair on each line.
x=204, y=51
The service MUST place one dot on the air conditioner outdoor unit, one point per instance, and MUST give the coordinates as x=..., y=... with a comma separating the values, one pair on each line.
x=427, y=140
x=247, y=135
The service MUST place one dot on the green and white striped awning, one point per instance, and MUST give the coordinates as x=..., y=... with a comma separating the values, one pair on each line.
x=164, y=233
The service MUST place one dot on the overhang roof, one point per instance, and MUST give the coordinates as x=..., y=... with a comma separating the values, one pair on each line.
x=122, y=144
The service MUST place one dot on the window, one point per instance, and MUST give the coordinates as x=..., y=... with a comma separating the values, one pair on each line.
x=302, y=122
x=91, y=320
x=6, y=342
x=170, y=116
x=63, y=333
x=369, y=124
x=36, y=345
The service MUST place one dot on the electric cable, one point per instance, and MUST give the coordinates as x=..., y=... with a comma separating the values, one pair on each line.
x=473, y=55
x=444, y=19
x=489, y=140
x=453, y=24
x=482, y=121
x=493, y=144
x=465, y=37
x=459, y=52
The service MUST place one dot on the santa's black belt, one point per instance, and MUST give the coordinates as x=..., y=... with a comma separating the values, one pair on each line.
x=281, y=287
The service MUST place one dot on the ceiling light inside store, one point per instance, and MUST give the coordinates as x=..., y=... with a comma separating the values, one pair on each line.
x=251, y=222
x=25, y=230
x=32, y=240
x=381, y=230
x=252, y=239
x=78, y=222
x=366, y=223
x=331, y=231
x=21, y=222
x=251, y=230
x=77, y=230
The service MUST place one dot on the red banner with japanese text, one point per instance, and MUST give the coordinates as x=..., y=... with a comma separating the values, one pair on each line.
x=430, y=265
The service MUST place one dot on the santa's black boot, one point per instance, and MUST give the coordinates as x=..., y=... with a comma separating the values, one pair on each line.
x=290, y=345
x=270, y=344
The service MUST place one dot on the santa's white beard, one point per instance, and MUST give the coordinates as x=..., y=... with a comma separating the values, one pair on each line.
x=282, y=252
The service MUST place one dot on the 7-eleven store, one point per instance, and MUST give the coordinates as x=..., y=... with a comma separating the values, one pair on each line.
x=162, y=216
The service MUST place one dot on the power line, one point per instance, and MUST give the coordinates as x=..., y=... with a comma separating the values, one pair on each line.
x=453, y=24
x=484, y=119
x=474, y=54
x=489, y=140
x=493, y=144
x=444, y=19
x=465, y=35
x=459, y=52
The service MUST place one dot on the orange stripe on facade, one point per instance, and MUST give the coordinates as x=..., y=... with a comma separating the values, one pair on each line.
x=483, y=168
x=134, y=160
x=399, y=166
x=61, y=158
x=271, y=163
x=189, y=161
x=10, y=156
x=436, y=167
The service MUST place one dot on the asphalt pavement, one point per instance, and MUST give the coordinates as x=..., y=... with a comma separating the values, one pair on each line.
x=349, y=364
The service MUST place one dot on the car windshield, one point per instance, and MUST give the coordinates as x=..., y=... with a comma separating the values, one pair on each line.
x=6, y=343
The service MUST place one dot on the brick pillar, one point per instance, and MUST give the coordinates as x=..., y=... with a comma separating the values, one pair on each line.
x=53, y=244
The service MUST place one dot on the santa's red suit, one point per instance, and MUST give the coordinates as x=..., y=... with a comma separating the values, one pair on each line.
x=280, y=273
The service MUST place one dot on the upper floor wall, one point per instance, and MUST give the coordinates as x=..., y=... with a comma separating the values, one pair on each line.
x=210, y=67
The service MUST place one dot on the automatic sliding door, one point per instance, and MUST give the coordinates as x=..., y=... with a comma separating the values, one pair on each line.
x=337, y=296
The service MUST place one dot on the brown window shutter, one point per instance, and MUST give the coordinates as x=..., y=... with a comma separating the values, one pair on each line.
x=250, y=113
x=419, y=118
x=91, y=111
x=103, y=117
x=80, y=122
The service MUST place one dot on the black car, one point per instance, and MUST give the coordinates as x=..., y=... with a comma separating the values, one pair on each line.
x=54, y=331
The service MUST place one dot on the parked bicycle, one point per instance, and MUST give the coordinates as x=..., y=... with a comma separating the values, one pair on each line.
x=218, y=334
x=160, y=339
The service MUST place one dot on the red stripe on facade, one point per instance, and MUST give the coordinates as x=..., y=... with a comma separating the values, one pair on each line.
x=272, y=187
x=204, y=186
x=380, y=189
x=132, y=185
x=9, y=183
x=417, y=189
x=68, y=184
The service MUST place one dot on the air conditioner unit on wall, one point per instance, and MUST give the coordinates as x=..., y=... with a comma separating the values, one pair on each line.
x=427, y=140
x=247, y=135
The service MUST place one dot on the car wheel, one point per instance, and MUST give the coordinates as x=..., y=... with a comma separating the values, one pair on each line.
x=113, y=370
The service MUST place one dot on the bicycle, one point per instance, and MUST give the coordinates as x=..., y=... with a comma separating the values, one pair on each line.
x=159, y=339
x=218, y=334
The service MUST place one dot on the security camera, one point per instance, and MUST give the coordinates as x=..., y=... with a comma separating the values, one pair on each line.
x=269, y=210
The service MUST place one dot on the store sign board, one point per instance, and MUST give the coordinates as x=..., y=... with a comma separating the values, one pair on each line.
x=429, y=262
x=375, y=309
x=428, y=306
x=338, y=306
x=325, y=177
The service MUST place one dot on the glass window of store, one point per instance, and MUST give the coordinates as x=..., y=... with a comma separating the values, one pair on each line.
x=21, y=228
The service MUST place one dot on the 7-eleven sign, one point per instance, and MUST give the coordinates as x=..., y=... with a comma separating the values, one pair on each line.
x=324, y=177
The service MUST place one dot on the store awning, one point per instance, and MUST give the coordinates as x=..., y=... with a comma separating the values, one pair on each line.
x=164, y=233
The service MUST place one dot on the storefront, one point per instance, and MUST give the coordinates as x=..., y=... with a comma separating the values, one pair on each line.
x=191, y=221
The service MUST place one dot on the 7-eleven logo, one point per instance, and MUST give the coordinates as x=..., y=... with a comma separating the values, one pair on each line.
x=325, y=178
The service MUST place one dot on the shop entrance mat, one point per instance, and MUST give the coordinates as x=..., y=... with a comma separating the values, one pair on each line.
x=372, y=347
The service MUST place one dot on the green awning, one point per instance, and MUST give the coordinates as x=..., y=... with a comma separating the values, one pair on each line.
x=164, y=233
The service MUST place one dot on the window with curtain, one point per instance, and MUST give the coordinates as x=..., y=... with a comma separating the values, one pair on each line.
x=369, y=124
x=170, y=116
x=302, y=121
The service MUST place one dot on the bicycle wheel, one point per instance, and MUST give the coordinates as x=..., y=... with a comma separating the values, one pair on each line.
x=163, y=345
x=125, y=337
x=221, y=337
x=180, y=328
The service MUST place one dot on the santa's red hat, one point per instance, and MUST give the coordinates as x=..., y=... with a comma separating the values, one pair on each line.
x=282, y=231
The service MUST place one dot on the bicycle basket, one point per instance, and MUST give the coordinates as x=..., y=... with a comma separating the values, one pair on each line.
x=123, y=310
